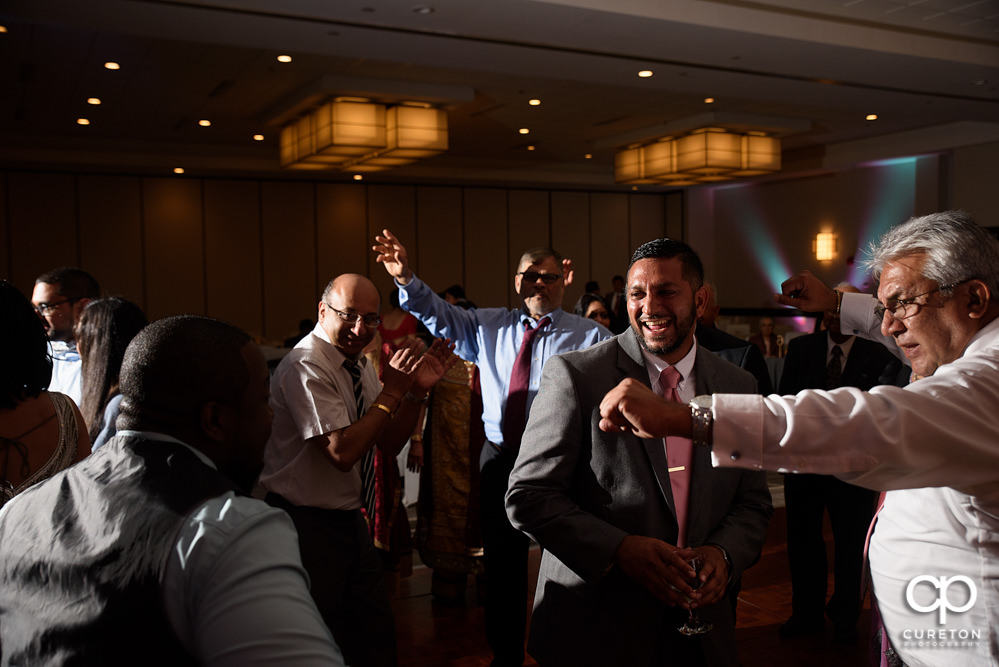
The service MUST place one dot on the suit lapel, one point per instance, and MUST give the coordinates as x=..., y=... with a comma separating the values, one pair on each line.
x=631, y=364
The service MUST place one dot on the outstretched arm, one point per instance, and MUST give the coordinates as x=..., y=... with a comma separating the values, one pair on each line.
x=392, y=254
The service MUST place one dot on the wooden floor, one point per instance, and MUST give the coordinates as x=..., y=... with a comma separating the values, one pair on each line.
x=453, y=635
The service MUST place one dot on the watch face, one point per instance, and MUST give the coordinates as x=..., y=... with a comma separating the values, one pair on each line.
x=703, y=401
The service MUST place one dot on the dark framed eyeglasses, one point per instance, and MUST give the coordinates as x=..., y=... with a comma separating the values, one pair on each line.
x=46, y=308
x=901, y=309
x=370, y=321
x=532, y=277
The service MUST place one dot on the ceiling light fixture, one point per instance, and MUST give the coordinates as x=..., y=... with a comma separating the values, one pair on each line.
x=358, y=177
x=532, y=147
x=588, y=156
x=709, y=100
x=704, y=155
x=3, y=28
x=645, y=73
x=871, y=116
x=258, y=137
x=83, y=121
x=524, y=130
x=284, y=59
x=112, y=65
x=824, y=246
x=535, y=102
x=361, y=136
x=93, y=100
x=178, y=170
x=204, y=122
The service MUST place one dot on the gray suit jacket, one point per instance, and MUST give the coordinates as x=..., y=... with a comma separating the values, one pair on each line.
x=579, y=491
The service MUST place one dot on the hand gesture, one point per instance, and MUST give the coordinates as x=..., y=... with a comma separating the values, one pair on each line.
x=567, y=272
x=632, y=406
x=803, y=290
x=434, y=363
x=658, y=566
x=399, y=373
x=713, y=575
x=392, y=254
x=414, y=461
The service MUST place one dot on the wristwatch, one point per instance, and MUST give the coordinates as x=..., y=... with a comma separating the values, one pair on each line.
x=702, y=418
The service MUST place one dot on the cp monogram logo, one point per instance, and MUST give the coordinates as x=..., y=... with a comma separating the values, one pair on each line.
x=943, y=603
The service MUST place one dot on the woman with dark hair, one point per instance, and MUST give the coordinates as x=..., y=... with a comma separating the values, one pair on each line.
x=593, y=307
x=41, y=432
x=105, y=329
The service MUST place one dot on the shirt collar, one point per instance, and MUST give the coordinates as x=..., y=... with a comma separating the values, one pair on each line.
x=553, y=316
x=163, y=437
x=655, y=366
x=844, y=347
x=336, y=356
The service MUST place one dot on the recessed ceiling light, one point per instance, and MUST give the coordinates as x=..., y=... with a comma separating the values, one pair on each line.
x=588, y=156
x=178, y=170
x=532, y=147
x=112, y=65
x=284, y=59
x=524, y=130
x=423, y=9
x=645, y=73
x=204, y=122
x=93, y=100
x=258, y=137
x=535, y=102
x=358, y=177
x=709, y=100
x=871, y=116
x=3, y=28
x=83, y=121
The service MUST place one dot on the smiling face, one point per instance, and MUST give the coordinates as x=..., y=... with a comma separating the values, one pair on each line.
x=350, y=294
x=941, y=327
x=663, y=307
x=539, y=297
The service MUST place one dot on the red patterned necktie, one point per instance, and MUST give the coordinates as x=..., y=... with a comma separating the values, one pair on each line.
x=678, y=458
x=515, y=415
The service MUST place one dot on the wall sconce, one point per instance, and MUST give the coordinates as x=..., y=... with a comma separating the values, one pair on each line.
x=705, y=155
x=824, y=246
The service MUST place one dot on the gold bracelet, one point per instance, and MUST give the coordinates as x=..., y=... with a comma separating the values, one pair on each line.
x=416, y=438
x=385, y=408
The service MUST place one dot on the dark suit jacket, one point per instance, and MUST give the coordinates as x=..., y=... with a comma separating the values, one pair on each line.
x=740, y=352
x=868, y=365
x=579, y=491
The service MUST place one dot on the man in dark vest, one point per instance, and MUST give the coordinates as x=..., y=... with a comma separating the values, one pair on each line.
x=148, y=551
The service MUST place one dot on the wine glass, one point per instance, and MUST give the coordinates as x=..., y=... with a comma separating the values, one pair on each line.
x=694, y=625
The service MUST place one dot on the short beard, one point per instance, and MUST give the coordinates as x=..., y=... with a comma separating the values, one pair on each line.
x=668, y=348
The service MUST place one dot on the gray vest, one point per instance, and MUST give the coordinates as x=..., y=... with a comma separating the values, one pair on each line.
x=82, y=555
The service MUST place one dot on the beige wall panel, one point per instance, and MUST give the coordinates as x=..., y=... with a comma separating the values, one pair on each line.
x=174, y=247
x=43, y=226
x=488, y=272
x=530, y=226
x=441, y=237
x=648, y=220
x=289, y=257
x=233, y=253
x=391, y=207
x=111, y=234
x=974, y=182
x=571, y=237
x=674, y=204
x=609, y=225
x=344, y=243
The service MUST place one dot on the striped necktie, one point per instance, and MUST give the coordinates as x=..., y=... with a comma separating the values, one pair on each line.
x=368, y=460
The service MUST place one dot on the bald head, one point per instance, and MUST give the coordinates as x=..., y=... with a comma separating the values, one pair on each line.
x=348, y=313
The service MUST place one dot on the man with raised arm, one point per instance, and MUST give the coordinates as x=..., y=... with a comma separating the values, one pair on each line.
x=510, y=347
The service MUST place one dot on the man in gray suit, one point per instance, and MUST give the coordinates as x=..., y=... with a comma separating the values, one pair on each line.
x=613, y=586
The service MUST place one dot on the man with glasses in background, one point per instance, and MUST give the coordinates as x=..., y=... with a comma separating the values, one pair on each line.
x=510, y=347
x=932, y=445
x=59, y=298
x=330, y=411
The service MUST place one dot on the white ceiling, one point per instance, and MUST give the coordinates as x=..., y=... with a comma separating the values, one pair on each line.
x=809, y=70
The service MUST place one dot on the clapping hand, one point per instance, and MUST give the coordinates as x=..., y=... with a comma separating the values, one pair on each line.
x=434, y=363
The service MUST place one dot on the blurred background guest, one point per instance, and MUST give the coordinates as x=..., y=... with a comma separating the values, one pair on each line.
x=105, y=329
x=593, y=307
x=41, y=432
x=770, y=344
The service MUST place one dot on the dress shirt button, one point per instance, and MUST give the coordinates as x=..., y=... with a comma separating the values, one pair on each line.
x=735, y=455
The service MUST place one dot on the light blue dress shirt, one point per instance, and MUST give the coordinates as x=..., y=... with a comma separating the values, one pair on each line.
x=491, y=337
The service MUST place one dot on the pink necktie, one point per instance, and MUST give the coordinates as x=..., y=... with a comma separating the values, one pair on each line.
x=678, y=457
